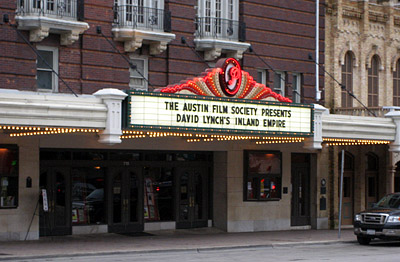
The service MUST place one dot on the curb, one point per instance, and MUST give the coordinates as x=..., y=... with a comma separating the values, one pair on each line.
x=196, y=250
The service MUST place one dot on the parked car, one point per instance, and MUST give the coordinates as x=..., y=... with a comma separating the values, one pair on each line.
x=382, y=221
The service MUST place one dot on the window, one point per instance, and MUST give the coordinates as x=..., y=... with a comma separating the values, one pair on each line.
x=279, y=83
x=138, y=76
x=218, y=18
x=8, y=176
x=373, y=82
x=88, y=203
x=138, y=13
x=46, y=80
x=296, y=87
x=396, y=85
x=347, y=80
x=158, y=194
x=263, y=176
x=262, y=76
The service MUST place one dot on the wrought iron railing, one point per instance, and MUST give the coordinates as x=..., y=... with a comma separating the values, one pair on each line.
x=55, y=8
x=138, y=17
x=218, y=28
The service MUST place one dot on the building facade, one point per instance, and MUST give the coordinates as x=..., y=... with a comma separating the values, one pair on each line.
x=76, y=159
x=361, y=53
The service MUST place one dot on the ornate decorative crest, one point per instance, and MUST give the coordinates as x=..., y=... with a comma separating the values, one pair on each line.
x=227, y=79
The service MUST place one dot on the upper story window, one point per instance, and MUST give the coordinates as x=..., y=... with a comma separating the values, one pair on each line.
x=296, y=87
x=373, y=82
x=40, y=17
x=347, y=80
x=145, y=14
x=138, y=22
x=46, y=80
x=262, y=76
x=396, y=85
x=140, y=74
x=279, y=82
x=218, y=19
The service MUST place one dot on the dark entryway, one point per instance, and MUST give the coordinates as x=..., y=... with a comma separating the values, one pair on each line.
x=192, y=197
x=123, y=189
x=126, y=201
x=300, y=179
x=56, y=219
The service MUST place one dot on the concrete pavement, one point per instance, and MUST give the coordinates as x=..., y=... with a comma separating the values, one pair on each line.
x=164, y=241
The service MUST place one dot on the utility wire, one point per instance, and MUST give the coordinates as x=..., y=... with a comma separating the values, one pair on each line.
x=342, y=86
x=273, y=70
x=183, y=41
x=6, y=20
x=131, y=65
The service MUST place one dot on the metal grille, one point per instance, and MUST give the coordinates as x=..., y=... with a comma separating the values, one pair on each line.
x=376, y=219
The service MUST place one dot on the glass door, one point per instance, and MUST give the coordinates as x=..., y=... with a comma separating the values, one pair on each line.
x=126, y=201
x=191, y=198
x=55, y=204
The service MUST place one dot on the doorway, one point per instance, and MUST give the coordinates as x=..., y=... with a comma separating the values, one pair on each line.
x=348, y=188
x=300, y=179
x=371, y=180
x=56, y=219
x=191, y=194
x=126, y=201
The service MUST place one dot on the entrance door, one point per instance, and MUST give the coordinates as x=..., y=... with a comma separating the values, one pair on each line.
x=57, y=220
x=371, y=180
x=347, y=209
x=371, y=189
x=300, y=211
x=348, y=188
x=126, y=201
x=192, y=198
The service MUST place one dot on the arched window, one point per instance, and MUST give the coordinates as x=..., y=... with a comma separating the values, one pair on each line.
x=396, y=85
x=347, y=80
x=372, y=162
x=373, y=82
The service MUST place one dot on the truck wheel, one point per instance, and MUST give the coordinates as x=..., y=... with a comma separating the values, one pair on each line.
x=363, y=240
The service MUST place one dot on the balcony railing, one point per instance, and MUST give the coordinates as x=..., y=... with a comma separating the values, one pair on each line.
x=138, y=17
x=52, y=8
x=218, y=28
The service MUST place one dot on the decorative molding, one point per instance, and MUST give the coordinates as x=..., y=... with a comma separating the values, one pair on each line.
x=377, y=17
x=38, y=34
x=213, y=48
x=158, y=47
x=133, y=44
x=212, y=54
x=112, y=98
x=134, y=39
x=351, y=12
x=69, y=38
x=40, y=26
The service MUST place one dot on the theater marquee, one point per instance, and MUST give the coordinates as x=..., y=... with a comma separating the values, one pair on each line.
x=160, y=111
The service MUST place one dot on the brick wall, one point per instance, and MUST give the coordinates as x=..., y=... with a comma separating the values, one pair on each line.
x=281, y=32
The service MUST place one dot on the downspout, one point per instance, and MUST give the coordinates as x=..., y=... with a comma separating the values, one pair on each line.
x=317, y=92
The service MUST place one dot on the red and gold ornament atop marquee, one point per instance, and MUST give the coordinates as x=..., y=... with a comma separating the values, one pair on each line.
x=227, y=79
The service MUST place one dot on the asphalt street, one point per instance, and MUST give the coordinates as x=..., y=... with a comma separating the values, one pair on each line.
x=317, y=252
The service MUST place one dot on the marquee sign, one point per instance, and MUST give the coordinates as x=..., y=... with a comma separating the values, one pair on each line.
x=226, y=100
x=158, y=111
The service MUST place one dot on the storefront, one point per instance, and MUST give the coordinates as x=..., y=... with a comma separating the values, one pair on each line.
x=207, y=152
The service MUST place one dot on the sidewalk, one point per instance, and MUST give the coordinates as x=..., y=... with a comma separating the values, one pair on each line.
x=164, y=241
